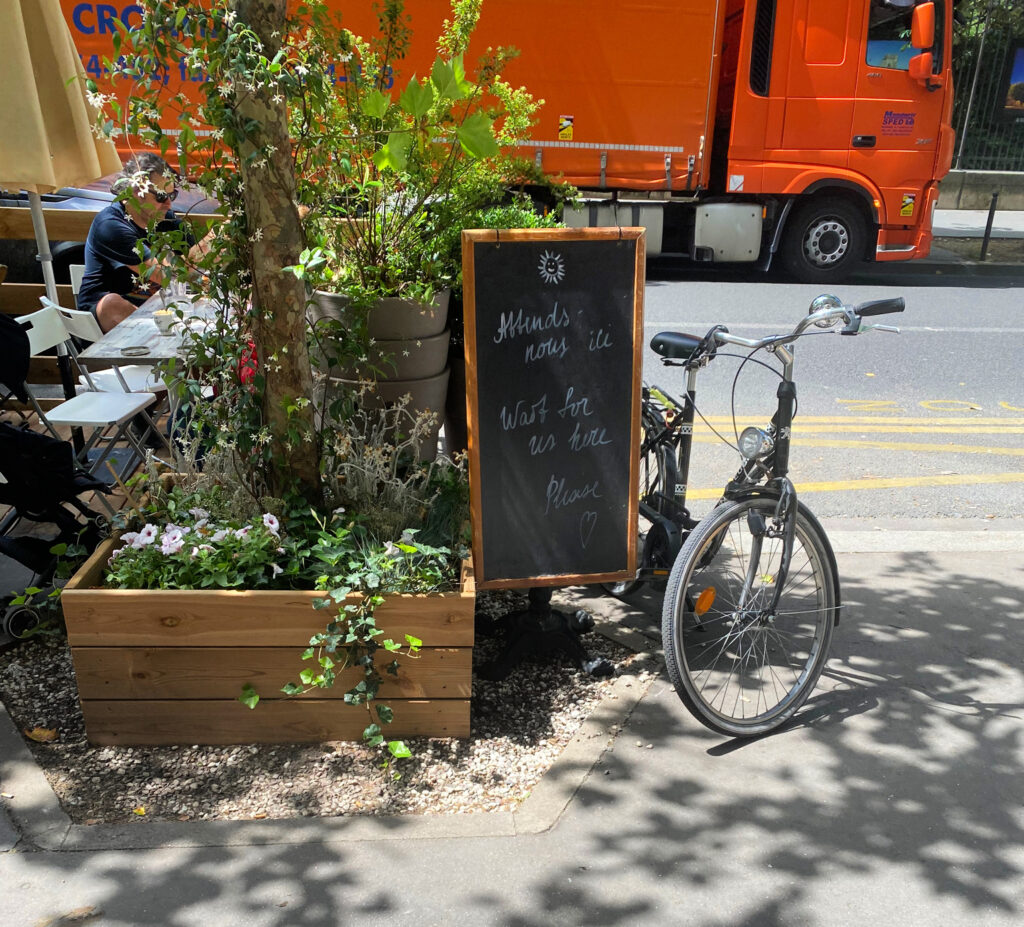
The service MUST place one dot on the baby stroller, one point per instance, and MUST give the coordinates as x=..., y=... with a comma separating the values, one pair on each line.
x=41, y=483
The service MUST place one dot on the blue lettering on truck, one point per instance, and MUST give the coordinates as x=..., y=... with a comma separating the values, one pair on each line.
x=93, y=18
x=898, y=123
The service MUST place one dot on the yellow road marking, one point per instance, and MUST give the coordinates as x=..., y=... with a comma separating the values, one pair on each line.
x=864, y=420
x=897, y=430
x=964, y=479
x=801, y=441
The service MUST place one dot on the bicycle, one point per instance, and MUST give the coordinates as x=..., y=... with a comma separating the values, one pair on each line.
x=752, y=593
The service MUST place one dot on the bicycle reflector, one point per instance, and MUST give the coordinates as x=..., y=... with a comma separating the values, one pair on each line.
x=754, y=443
x=704, y=601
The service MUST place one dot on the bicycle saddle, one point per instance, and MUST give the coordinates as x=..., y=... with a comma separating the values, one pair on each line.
x=676, y=345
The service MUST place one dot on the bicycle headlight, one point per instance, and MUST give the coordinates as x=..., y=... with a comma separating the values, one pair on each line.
x=754, y=443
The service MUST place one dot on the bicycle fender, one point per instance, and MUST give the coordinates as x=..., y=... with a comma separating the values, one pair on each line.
x=767, y=493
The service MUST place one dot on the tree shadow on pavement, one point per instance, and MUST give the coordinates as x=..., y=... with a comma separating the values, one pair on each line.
x=894, y=798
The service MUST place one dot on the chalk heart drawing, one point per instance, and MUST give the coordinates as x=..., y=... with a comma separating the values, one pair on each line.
x=587, y=522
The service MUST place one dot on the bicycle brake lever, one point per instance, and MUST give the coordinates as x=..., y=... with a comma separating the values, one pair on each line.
x=881, y=328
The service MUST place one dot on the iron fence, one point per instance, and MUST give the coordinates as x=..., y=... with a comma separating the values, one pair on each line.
x=988, y=75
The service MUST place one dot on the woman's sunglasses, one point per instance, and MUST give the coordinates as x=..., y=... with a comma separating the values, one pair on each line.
x=161, y=197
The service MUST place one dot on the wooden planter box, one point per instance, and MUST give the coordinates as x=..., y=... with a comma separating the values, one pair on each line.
x=166, y=666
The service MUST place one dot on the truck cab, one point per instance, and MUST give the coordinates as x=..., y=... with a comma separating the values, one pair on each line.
x=840, y=115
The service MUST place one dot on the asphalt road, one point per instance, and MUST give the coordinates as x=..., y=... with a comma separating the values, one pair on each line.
x=921, y=425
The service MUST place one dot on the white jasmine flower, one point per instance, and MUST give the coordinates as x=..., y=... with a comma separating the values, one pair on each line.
x=277, y=571
x=257, y=235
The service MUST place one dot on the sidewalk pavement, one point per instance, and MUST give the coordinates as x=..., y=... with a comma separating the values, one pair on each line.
x=970, y=223
x=894, y=798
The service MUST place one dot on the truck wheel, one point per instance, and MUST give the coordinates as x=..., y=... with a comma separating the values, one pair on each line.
x=824, y=240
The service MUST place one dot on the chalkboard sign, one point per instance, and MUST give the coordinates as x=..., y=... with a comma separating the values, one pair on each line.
x=554, y=327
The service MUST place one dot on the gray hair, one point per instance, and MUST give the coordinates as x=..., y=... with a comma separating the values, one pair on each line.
x=137, y=171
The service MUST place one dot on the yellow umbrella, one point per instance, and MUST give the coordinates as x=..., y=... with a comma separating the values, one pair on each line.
x=47, y=137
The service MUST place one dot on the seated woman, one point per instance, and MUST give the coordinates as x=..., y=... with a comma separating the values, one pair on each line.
x=117, y=250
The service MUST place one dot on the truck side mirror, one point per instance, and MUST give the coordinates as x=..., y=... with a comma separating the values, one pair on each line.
x=920, y=66
x=922, y=26
x=920, y=69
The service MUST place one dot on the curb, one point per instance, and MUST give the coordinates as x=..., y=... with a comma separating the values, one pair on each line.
x=42, y=824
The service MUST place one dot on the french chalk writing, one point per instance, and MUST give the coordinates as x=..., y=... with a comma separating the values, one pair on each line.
x=593, y=437
x=541, y=444
x=513, y=324
x=574, y=407
x=600, y=341
x=524, y=414
x=558, y=496
x=549, y=347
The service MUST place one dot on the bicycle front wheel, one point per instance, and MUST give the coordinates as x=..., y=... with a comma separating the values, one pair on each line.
x=740, y=665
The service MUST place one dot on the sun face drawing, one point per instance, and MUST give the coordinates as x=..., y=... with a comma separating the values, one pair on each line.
x=551, y=267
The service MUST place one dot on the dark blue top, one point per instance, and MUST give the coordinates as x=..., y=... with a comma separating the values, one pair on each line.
x=110, y=255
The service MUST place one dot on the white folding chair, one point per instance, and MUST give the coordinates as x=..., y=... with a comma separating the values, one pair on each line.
x=77, y=272
x=130, y=378
x=107, y=414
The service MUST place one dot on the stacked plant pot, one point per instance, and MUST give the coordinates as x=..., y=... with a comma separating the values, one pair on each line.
x=409, y=354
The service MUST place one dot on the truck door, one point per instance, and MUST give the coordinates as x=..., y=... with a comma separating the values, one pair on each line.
x=820, y=83
x=896, y=118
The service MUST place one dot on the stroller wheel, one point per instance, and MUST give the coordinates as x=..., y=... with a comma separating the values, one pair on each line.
x=20, y=620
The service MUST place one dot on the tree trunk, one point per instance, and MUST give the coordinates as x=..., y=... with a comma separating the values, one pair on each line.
x=279, y=298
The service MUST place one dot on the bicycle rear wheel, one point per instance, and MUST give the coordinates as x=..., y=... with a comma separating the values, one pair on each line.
x=741, y=667
x=651, y=481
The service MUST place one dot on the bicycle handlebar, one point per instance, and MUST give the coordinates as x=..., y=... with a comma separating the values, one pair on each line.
x=826, y=317
x=687, y=350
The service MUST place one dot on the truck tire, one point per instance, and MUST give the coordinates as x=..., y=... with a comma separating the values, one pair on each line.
x=824, y=240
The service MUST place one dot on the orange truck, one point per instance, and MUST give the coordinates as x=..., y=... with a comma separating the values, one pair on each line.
x=813, y=132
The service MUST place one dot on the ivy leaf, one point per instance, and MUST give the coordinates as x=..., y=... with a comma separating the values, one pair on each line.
x=390, y=645
x=399, y=750
x=375, y=104
x=417, y=98
x=414, y=642
x=290, y=688
x=307, y=677
x=394, y=154
x=447, y=84
x=249, y=696
x=385, y=713
x=476, y=137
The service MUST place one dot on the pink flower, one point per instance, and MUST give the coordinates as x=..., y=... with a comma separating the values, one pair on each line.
x=243, y=532
x=129, y=537
x=271, y=524
x=275, y=569
x=199, y=513
x=172, y=542
x=219, y=536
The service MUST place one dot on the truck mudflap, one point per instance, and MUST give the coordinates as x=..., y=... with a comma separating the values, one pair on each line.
x=907, y=244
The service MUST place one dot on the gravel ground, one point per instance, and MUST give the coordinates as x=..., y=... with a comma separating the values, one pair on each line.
x=519, y=726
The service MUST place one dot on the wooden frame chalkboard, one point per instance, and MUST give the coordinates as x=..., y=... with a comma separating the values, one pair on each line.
x=554, y=331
